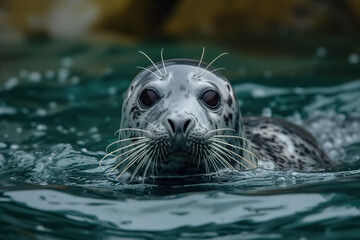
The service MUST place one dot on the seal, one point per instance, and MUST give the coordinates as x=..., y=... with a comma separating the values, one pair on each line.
x=182, y=117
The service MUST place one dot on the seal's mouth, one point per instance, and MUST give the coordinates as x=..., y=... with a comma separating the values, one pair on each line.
x=179, y=163
x=180, y=154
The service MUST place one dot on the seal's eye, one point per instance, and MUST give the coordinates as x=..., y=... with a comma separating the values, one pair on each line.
x=211, y=99
x=148, y=97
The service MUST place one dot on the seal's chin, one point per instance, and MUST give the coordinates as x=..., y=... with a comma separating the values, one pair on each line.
x=183, y=155
x=180, y=163
x=178, y=158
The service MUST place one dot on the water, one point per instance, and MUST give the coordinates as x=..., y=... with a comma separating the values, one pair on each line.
x=57, y=116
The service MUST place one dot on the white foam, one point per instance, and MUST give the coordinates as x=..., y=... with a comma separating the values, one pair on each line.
x=353, y=58
x=34, y=77
x=11, y=83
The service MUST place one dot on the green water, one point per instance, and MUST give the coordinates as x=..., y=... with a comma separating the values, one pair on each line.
x=60, y=105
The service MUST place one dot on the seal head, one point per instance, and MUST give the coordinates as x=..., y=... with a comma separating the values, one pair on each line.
x=183, y=118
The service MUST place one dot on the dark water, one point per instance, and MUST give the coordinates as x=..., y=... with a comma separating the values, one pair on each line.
x=60, y=105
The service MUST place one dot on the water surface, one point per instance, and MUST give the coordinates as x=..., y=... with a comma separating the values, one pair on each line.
x=58, y=114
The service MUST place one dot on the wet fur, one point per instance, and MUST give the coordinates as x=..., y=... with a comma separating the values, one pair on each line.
x=286, y=145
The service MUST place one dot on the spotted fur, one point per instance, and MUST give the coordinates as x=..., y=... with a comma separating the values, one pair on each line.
x=283, y=145
x=278, y=142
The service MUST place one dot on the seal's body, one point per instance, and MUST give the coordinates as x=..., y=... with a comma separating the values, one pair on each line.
x=283, y=145
x=182, y=117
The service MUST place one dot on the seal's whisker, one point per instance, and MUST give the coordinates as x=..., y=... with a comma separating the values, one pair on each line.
x=201, y=58
x=229, y=158
x=130, y=150
x=149, y=123
x=151, y=61
x=212, y=63
x=147, y=166
x=238, y=155
x=216, y=161
x=131, y=162
x=119, y=149
x=138, y=166
x=166, y=148
x=205, y=156
x=226, y=154
x=219, y=158
x=129, y=157
x=141, y=148
x=206, y=163
x=222, y=160
x=142, y=162
x=216, y=69
x=207, y=171
x=123, y=140
x=162, y=59
x=213, y=162
x=221, y=129
x=196, y=149
x=131, y=129
x=147, y=158
x=210, y=164
x=148, y=70
x=156, y=161
x=162, y=155
x=153, y=169
x=199, y=161
x=191, y=149
x=234, y=146
x=232, y=136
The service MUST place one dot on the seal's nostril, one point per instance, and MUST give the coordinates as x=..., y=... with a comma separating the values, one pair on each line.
x=186, y=125
x=172, y=125
x=178, y=125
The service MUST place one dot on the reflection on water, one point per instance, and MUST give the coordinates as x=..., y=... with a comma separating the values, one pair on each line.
x=56, y=121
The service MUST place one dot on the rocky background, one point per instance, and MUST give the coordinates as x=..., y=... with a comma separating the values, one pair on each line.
x=283, y=42
x=228, y=21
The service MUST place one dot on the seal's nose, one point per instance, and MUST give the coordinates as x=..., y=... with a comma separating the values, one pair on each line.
x=179, y=125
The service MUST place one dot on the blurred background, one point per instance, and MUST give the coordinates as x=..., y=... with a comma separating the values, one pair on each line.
x=282, y=39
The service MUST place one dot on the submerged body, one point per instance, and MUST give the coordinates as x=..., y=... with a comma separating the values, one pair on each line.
x=182, y=117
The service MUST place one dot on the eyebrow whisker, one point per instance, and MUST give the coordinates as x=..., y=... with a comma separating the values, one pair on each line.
x=149, y=71
x=201, y=58
x=151, y=62
x=225, y=53
x=162, y=59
